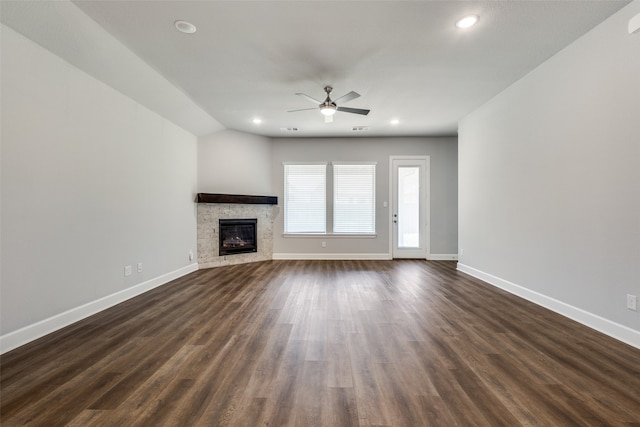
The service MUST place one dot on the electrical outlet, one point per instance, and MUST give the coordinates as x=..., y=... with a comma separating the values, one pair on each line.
x=632, y=302
x=139, y=267
x=190, y=255
x=127, y=270
x=461, y=251
x=324, y=244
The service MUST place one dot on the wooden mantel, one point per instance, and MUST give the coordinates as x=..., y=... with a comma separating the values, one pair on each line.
x=236, y=199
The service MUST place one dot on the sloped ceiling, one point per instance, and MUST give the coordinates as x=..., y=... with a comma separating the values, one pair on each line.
x=247, y=59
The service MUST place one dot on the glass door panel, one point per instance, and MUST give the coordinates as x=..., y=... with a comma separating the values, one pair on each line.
x=408, y=207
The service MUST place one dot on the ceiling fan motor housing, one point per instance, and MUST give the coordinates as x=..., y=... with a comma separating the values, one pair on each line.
x=328, y=107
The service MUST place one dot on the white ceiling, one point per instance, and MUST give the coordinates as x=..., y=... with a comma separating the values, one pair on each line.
x=406, y=58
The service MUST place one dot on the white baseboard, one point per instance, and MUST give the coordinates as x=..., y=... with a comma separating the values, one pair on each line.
x=607, y=327
x=322, y=256
x=442, y=257
x=32, y=332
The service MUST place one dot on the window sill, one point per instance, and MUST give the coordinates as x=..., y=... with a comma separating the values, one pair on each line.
x=330, y=235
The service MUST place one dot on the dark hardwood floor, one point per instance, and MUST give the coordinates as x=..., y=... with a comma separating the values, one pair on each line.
x=323, y=343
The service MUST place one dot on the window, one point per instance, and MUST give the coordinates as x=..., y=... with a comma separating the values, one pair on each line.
x=305, y=198
x=354, y=209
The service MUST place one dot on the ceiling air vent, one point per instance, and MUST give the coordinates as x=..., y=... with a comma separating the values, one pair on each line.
x=360, y=128
x=289, y=129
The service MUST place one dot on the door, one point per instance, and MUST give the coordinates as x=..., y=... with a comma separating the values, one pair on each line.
x=410, y=207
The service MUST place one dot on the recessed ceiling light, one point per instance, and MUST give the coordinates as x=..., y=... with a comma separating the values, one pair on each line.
x=394, y=121
x=257, y=121
x=185, y=27
x=467, y=21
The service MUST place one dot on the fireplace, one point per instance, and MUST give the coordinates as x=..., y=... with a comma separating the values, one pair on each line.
x=238, y=236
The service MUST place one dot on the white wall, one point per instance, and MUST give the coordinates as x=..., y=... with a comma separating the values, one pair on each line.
x=443, y=156
x=549, y=176
x=231, y=162
x=62, y=28
x=91, y=182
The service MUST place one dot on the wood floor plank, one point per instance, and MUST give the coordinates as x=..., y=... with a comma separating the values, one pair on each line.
x=340, y=408
x=309, y=402
x=281, y=403
x=323, y=343
x=151, y=395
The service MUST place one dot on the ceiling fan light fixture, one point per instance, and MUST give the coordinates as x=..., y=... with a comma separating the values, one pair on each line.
x=467, y=21
x=328, y=110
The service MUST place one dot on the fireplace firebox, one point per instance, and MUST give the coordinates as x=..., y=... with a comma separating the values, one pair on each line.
x=238, y=236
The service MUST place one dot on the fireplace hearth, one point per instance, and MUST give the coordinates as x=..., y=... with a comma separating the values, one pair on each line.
x=238, y=236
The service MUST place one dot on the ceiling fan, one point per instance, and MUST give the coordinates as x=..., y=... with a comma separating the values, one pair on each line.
x=328, y=108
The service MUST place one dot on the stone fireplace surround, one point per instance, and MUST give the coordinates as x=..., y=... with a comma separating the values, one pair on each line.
x=213, y=207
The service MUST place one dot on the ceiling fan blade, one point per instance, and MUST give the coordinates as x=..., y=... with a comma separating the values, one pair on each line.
x=302, y=109
x=348, y=97
x=304, y=95
x=354, y=110
x=328, y=119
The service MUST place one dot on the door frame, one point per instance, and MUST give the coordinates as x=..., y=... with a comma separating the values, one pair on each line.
x=427, y=201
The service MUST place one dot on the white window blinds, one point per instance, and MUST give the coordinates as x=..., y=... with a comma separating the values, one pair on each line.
x=354, y=198
x=305, y=198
